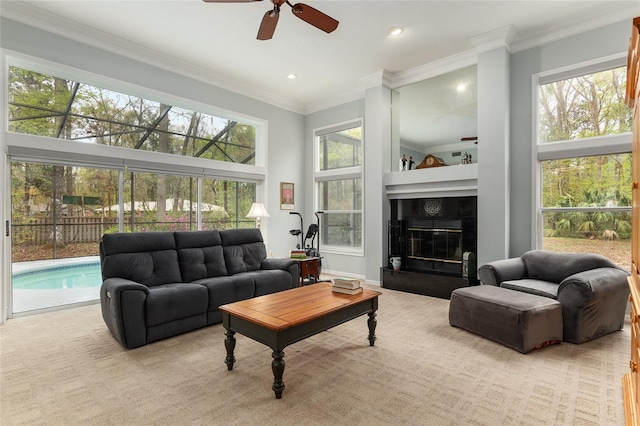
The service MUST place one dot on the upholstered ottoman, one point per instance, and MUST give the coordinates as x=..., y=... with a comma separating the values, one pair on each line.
x=518, y=320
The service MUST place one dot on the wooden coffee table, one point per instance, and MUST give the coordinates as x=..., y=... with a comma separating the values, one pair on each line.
x=280, y=319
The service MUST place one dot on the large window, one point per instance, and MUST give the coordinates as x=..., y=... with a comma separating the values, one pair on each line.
x=583, y=107
x=584, y=168
x=338, y=179
x=47, y=105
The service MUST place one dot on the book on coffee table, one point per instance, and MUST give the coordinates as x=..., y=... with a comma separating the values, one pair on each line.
x=346, y=290
x=348, y=283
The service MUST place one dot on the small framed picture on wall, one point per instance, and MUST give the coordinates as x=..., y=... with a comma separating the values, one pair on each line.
x=286, y=196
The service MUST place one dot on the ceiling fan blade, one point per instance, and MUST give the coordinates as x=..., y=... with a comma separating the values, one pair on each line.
x=268, y=25
x=229, y=1
x=314, y=17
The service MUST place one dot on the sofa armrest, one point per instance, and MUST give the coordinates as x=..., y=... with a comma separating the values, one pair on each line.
x=275, y=263
x=583, y=287
x=123, y=304
x=288, y=265
x=493, y=273
x=593, y=303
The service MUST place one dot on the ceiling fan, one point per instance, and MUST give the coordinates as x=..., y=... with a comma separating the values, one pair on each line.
x=305, y=12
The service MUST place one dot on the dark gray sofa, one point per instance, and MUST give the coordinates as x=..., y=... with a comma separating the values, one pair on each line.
x=160, y=284
x=592, y=290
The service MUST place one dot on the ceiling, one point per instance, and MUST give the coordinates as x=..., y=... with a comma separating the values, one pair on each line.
x=217, y=42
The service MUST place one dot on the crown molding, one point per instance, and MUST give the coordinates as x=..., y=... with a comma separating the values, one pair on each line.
x=557, y=32
x=58, y=25
x=378, y=78
x=334, y=100
x=435, y=68
x=500, y=37
x=375, y=79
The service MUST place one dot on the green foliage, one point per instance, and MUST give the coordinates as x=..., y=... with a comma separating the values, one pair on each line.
x=583, y=107
x=591, y=223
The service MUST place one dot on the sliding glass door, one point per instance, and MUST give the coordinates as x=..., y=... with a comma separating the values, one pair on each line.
x=57, y=218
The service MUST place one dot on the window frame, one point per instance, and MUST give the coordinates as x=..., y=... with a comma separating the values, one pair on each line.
x=566, y=149
x=345, y=173
x=38, y=149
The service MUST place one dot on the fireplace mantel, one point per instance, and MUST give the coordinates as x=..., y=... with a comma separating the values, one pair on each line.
x=451, y=181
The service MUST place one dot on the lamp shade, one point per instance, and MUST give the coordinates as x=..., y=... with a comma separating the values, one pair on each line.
x=258, y=210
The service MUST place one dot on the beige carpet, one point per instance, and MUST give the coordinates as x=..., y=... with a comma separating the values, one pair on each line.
x=64, y=368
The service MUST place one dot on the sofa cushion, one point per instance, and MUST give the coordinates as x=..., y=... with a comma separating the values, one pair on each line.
x=555, y=267
x=269, y=281
x=201, y=263
x=175, y=301
x=197, y=239
x=537, y=287
x=147, y=258
x=244, y=249
x=137, y=242
x=200, y=255
x=223, y=290
x=151, y=269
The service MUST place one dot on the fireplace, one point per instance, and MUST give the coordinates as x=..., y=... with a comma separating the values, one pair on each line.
x=436, y=240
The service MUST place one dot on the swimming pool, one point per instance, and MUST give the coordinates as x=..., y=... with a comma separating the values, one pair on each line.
x=44, y=284
x=81, y=275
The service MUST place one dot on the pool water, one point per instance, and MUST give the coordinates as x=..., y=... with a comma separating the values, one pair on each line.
x=63, y=277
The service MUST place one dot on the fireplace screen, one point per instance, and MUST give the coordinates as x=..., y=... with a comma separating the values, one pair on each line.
x=434, y=245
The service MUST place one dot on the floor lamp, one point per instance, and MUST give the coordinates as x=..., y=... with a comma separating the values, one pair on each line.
x=257, y=211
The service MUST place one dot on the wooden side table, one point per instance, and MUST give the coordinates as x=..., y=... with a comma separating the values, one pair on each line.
x=309, y=268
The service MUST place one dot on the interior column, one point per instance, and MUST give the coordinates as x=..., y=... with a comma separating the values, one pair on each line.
x=493, y=145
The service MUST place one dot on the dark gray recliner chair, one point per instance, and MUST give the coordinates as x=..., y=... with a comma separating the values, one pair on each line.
x=592, y=290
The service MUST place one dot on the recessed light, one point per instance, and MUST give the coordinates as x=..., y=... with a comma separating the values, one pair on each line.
x=395, y=31
x=461, y=87
x=291, y=76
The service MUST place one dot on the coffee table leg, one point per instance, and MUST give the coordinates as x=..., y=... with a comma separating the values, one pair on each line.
x=230, y=345
x=372, y=322
x=277, y=365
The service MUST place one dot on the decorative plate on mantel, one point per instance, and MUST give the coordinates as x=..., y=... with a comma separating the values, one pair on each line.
x=432, y=207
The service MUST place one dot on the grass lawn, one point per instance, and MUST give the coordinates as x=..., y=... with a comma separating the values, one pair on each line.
x=619, y=252
x=24, y=253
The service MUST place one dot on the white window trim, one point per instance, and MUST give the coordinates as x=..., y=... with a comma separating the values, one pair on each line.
x=356, y=172
x=603, y=145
